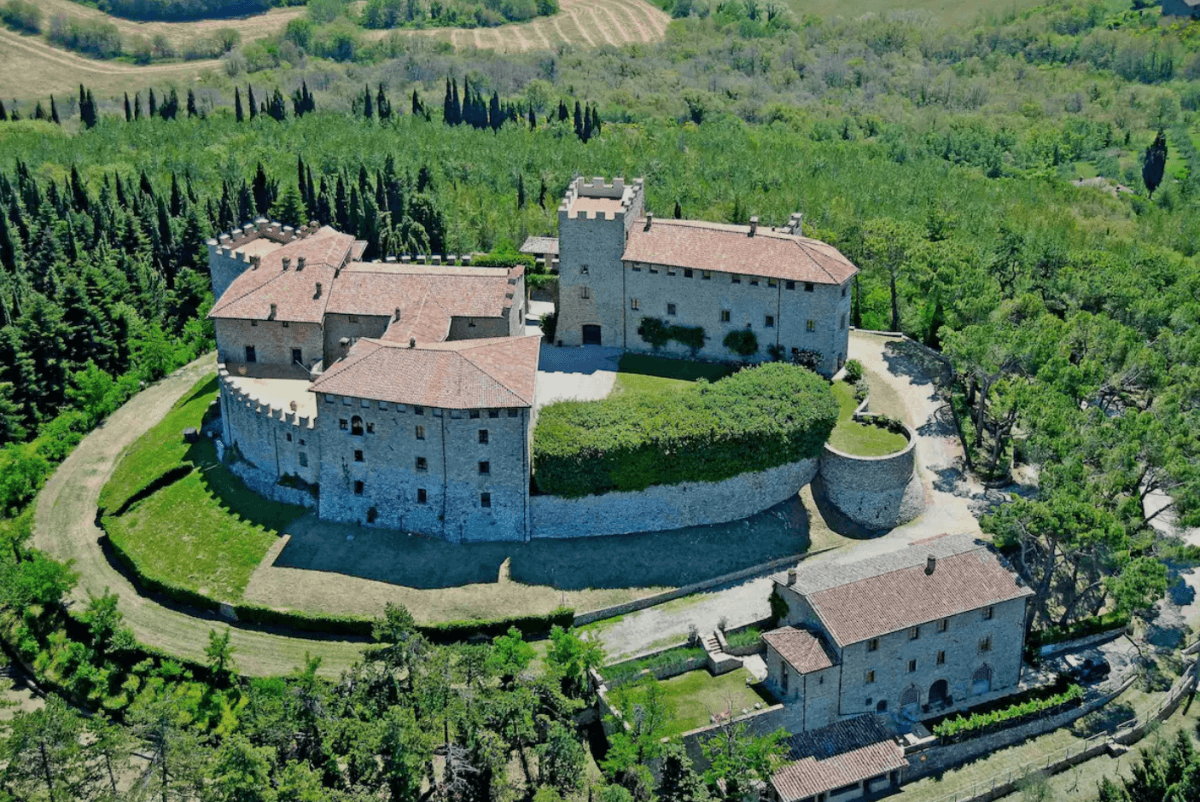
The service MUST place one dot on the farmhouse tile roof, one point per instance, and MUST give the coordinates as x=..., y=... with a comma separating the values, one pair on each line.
x=841, y=754
x=543, y=245
x=292, y=291
x=463, y=374
x=867, y=598
x=799, y=648
x=731, y=249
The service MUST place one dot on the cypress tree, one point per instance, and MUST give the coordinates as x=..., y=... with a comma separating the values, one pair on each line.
x=250, y=101
x=128, y=109
x=495, y=115
x=383, y=106
x=238, y=114
x=153, y=103
x=301, y=184
x=416, y=105
x=447, y=105
x=586, y=130
x=38, y=112
x=563, y=114
x=341, y=204
x=82, y=98
x=578, y=120
x=93, y=114
x=1154, y=163
x=596, y=126
x=542, y=190
x=176, y=197
x=312, y=196
x=54, y=112
x=191, y=104
x=4, y=112
x=532, y=118
x=456, y=109
x=264, y=194
x=520, y=191
x=368, y=105
x=137, y=105
x=278, y=108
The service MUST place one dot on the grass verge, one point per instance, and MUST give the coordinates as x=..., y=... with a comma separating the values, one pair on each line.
x=861, y=439
x=696, y=696
x=642, y=373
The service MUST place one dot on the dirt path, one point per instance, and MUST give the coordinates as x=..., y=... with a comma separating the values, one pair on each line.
x=64, y=527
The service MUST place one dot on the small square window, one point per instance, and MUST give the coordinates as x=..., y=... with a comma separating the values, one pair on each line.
x=493, y=413
x=670, y=271
x=420, y=432
x=383, y=404
x=810, y=326
x=941, y=658
x=687, y=273
x=422, y=496
x=772, y=282
x=328, y=398
x=485, y=499
x=358, y=488
x=474, y=414
x=585, y=293
x=285, y=324
x=725, y=316
x=365, y=404
x=418, y=410
x=370, y=428
x=912, y=666
x=345, y=401
x=483, y=436
x=769, y=322
x=653, y=269
x=706, y=275
x=670, y=309
x=301, y=441
x=353, y=318
x=870, y=677
x=914, y=633
x=635, y=268
x=735, y=279
x=583, y=270
x=791, y=285
x=422, y=464
x=297, y=356
x=485, y=467
x=985, y=645
x=358, y=455
x=988, y=612
x=512, y=412
x=943, y=625
x=289, y=437
x=808, y=286
x=753, y=282
x=635, y=304
x=253, y=324
x=873, y=645
x=303, y=459
x=344, y=424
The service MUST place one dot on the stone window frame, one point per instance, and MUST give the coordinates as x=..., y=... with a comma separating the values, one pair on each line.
x=329, y=399
x=635, y=268
x=726, y=316
x=943, y=625
x=251, y=355
x=370, y=427
x=485, y=500
x=653, y=268
x=254, y=324
x=583, y=270
x=485, y=467
x=914, y=633
x=811, y=326
x=343, y=425
x=670, y=270
x=635, y=304
x=286, y=324
x=357, y=427
x=419, y=432
x=688, y=272
x=671, y=309
x=359, y=487
x=585, y=293
x=421, y=465
x=869, y=677
x=484, y=437
x=769, y=322
x=873, y=645
x=473, y=414
x=289, y=437
x=418, y=410
x=358, y=455
x=298, y=355
x=912, y=666
x=941, y=658
x=985, y=644
x=754, y=281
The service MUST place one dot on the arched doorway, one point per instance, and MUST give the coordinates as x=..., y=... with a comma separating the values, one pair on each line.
x=939, y=694
x=882, y=706
x=910, y=700
x=591, y=334
x=981, y=682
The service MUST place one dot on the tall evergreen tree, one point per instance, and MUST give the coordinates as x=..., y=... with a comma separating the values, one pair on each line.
x=417, y=108
x=532, y=118
x=238, y=114
x=563, y=114
x=495, y=115
x=278, y=110
x=54, y=112
x=383, y=106
x=4, y=112
x=39, y=113
x=137, y=105
x=192, y=111
x=597, y=127
x=368, y=104
x=1154, y=163
x=678, y=210
x=578, y=120
x=250, y=101
x=520, y=191
x=128, y=109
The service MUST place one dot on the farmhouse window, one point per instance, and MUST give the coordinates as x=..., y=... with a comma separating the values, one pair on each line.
x=769, y=322
x=670, y=309
x=635, y=304
x=422, y=496
x=735, y=279
x=810, y=326
x=251, y=356
x=512, y=413
x=485, y=468
x=289, y=437
x=356, y=426
x=941, y=658
x=493, y=413
x=870, y=677
x=285, y=324
x=303, y=459
x=653, y=269
x=914, y=633
x=297, y=356
x=753, y=282
x=706, y=275
x=483, y=436
x=358, y=455
x=772, y=282
x=420, y=432
x=783, y=673
x=791, y=285
x=422, y=464
x=343, y=424
x=583, y=270
x=474, y=413
x=365, y=404
x=358, y=488
x=585, y=293
x=725, y=316
x=985, y=645
x=873, y=645
x=687, y=273
x=253, y=324
x=485, y=499
x=635, y=268
x=943, y=625
x=808, y=286
x=912, y=666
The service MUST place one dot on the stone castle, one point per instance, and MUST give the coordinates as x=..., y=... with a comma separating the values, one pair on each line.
x=405, y=393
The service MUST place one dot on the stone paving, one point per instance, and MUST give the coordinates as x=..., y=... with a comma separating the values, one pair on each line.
x=586, y=373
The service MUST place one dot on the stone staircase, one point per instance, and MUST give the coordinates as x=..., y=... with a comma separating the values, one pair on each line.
x=719, y=662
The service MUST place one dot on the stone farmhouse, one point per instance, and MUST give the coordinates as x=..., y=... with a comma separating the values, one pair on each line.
x=840, y=762
x=930, y=629
x=404, y=393
x=619, y=264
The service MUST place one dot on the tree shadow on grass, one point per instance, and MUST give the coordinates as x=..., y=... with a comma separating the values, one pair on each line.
x=654, y=559
x=233, y=496
x=209, y=386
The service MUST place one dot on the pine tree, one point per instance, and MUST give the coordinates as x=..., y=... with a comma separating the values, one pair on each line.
x=128, y=109
x=238, y=114
x=54, y=112
x=250, y=102
x=1154, y=163
x=301, y=184
x=289, y=208
x=456, y=108
x=278, y=110
x=38, y=112
x=153, y=103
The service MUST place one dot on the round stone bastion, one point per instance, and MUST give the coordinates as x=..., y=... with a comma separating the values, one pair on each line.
x=875, y=492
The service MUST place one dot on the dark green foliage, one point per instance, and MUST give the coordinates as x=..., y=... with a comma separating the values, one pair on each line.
x=176, y=10
x=656, y=334
x=758, y=418
x=455, y=13
x=958, y=728
x=742, y=342
x=95, y=37
x=549, y=326
x=22, y=15
x=854, y=371
x=1154, y=163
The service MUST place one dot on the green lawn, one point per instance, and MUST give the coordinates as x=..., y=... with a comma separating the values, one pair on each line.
x=158, y=450
x=642, y=373
x=204, y=532
x=697, y=695
x=857, y=438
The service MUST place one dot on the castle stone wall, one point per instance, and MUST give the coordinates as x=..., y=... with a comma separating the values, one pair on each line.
x=875, y=492
x=276, y=441
x=664, y=507
x=352, y=327
x=273, y=341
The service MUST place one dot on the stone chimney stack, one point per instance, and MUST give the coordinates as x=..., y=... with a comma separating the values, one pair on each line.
x=254, y=260
x=412, y=342
x=396, y=314
x=318, y=293
x=300, y=263
x=930, y=564
x=791, y=576
x=753, y=225
x=649, y=220
x=287, y=261
x=274, y=309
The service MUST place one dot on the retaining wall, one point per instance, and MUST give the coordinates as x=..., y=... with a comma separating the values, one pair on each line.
x=265, y=485
x=874, y=492
x=665, y=507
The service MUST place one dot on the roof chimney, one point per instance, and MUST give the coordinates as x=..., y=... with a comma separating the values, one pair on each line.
x=274, y=309
x=287, y=261
x=396, y=314
x=254, y=262
x=753, y=225
x=412, y=342
x=649, y=220
x=930, y=564
x=300, y=263
x=798, y=226
x=318, y=294
x=791, y=576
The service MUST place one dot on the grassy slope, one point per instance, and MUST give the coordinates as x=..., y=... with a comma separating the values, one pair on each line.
x=856, y=438
x=206, y=531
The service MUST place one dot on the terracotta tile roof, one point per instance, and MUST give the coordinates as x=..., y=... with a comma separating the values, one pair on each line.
x=840, y=754
x=463, y=374
x=292, y=291
x=541, y=245
x=799, y=648
x=730, y=249
x=859, y=600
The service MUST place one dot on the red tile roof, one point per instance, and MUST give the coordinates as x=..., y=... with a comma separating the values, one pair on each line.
x=844, y=753
x=292, y=291
x=462, y=374
x=799, y=648
x=730, y=249
x=868, y=598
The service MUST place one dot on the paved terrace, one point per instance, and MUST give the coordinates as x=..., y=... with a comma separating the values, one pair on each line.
x=276, y=385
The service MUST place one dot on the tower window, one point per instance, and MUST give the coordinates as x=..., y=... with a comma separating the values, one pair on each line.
x=251, y=355
x=422, y=464
x=772, y=282
x=485, y=467
x=297, y=356
x=870, y=678
x=493, y=413
x=420, y=432
x=985, y=645
x=635, y=304
x=912, y=666
x=706, y=275
x=808, y=286
x=770, y=322
x=356, y=426
x=725, y=316
x=483, y=436
x=358, y=488
x=735, y=279
x=585, y=293
x=422, y=496
x=687, y=272
x=485, y=499
x=473, y=413
x=670, y=309
x=810, y=326
x=418, y=410
x=941, y=658
x=358, y=455
x=791, y=285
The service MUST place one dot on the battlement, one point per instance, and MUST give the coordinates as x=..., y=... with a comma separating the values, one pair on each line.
x=235, y=244
x=596, y=200
x=236, y=395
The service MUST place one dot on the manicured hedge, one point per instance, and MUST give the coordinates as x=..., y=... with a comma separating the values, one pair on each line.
x=170, y=590
x=758, y=418
x=958, y=728
x=1080, y=629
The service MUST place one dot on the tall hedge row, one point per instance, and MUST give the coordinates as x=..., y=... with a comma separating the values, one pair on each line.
x=758, y=418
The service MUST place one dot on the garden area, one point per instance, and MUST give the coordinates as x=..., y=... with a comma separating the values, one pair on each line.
x=690, y=699
x=857, y=438
x=643, y=373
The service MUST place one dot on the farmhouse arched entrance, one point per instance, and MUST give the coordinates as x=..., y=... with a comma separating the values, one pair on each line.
x=939, y=693
x=981, y=682
x=910, y=700
x=591, y=334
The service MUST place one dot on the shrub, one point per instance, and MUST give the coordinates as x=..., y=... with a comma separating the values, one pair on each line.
x=854, y=371
x=743, y=637
x=176, y=10
x=742, y=342
x=22, y=15
x=756, y=419
x=549, y=324
x=1080, y=629
x=93, y=37
x=807, y=358
x=656, y=334
x=959, y=728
